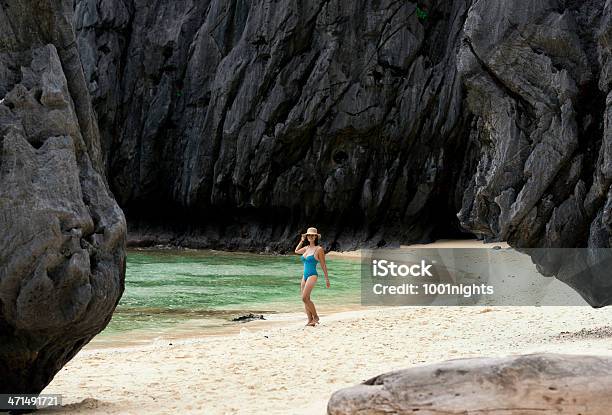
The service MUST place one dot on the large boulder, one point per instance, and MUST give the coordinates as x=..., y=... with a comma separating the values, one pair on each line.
x=517, y=385
x=537, y=84
x=62, y=236
x=538, y=78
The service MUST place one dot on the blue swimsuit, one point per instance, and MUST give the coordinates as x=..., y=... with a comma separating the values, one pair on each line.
x=310, y=266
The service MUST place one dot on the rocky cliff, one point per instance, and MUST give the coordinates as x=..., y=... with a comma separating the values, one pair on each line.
x=62, y=236
x=236, y=123
x=537, y=76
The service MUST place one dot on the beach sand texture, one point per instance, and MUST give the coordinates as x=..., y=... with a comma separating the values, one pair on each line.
x=439, y=244
x=282, y=367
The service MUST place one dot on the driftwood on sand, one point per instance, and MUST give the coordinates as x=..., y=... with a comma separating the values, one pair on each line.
x=249, y=317
x=517, y=385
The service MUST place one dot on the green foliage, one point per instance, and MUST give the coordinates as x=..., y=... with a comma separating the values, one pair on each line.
x=421, y=14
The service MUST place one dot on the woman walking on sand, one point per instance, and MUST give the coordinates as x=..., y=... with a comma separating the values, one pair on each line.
x=311, y=255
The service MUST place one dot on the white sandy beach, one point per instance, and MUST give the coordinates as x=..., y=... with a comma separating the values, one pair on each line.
x=282, y=367
x=439, y=244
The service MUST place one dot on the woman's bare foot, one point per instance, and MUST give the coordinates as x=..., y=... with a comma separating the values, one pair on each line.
x=311, y=323
x=316, y=320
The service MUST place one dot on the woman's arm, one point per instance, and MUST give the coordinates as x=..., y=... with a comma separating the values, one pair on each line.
x=321, y=258
x=298, y=249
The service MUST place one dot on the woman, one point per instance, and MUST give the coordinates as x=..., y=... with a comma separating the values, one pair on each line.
x=311, y=255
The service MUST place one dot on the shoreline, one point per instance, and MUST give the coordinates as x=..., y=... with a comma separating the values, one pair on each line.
x=191, y=329
x=439, y=244
x=350, y=254
x=267, y=366
x=272, y=321
x=195, y=324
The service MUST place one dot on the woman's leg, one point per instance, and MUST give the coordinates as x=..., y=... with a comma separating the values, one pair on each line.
x=306, y=308
x=308, y=286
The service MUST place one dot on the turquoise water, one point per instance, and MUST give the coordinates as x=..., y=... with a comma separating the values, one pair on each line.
x=167, y=287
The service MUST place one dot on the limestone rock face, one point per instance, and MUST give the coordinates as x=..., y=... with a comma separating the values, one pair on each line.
x=228, y=123
x=233, y=124
x=535, y=75
x=537, y=79
x=539, y=383
x=62, y=236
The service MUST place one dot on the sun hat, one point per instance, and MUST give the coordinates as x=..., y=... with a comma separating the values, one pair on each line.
x=313, y=231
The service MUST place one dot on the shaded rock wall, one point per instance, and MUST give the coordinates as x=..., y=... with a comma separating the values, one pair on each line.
x=537, y=76
x=234, y=124
x=62, y=236
x=538, y=85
